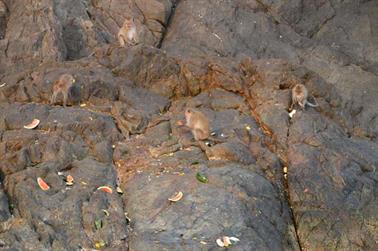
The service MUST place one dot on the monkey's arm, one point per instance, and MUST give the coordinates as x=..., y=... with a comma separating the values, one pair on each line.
x=53, y=97
x=202, y=145
x=291, y=106
x=135, y=40
x=55, y=92
x=121, y=39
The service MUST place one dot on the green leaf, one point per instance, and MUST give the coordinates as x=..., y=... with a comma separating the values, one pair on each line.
x=98, y=224
x=201, y=178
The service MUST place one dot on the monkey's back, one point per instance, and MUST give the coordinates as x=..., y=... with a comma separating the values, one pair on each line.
x=299, y=93
x=64, y=82
x=200, y=122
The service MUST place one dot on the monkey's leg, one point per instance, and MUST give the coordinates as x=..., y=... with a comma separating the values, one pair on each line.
x=291, y=106
x=294, y=101
x=199, y=135
x=303, y=105
x=204, y=148
x=65, y=96
x=134, y=41
x=53, y=97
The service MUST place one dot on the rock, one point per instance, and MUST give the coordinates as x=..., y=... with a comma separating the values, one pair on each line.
x=63, y=208
x=331, y=180
x=4, y=207
x=149, y=68
x=355, y=87
x=221, y=100
x=3, y=19
x=42, y=39
x=104, y=152
x=305, y=182
x=159, y=133
x=28, y=240
x=231, y=151
x=207, y=211
x=129, y=120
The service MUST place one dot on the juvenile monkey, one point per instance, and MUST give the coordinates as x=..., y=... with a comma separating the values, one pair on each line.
x=128, y=33
x=198, y=123
x=299, y=94
x=63, y=85
x=3, y=8
x=3, y=17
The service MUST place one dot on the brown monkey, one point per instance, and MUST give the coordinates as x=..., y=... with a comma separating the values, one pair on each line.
x=128, y=33
x=3, y=17
x=3, y=8
x=198, y=123
x=299, y=94
x=63, y=85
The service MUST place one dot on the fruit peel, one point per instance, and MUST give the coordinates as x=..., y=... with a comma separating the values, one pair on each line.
x=105, y=189
x=32, y=125
x=42, y=184
x=176, y=197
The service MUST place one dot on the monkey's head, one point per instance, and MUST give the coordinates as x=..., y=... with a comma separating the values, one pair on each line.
x=129, y=22
x=188, y=113
x=298, y=89
x=71, y=79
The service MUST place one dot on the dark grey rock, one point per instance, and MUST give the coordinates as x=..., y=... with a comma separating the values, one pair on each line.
x=4, y=207
x=104, y=152
x=234, y=60
x=234, y=202
x=331, y=178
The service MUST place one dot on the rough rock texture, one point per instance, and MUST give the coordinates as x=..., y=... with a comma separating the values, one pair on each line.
x=276, y=182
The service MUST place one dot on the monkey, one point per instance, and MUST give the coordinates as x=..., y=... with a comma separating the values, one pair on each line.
x=3, y=17
x=3, y=8
x=299, y=94
x=198, y=123
x=128, y=33
x=63, y=85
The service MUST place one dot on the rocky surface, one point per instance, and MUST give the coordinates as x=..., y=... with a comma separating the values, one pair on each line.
x=306, y=182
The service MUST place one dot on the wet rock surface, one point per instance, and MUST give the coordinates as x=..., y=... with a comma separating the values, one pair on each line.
x=276, y=182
